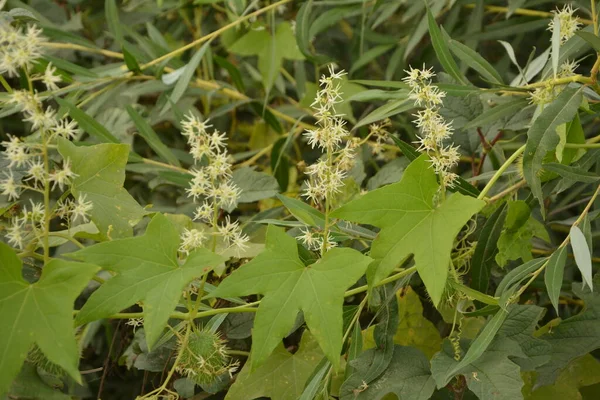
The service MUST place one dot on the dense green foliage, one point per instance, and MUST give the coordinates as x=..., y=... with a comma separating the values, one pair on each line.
x=349, y=199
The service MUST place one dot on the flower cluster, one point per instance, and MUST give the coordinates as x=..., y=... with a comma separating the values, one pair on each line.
x=211, y=186
x=547, y=93
x=568, y=23
x=327, y=174
x=29, y=165
x=434, y=130
x=378, y=131
x=19, y=48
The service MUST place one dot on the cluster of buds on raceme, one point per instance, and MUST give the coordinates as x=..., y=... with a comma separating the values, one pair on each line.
x=379, y=132
x=434, y=130
x=211, y=186
x=203, y=357
x=567, y=23
x=326, y=175
x=30, y=167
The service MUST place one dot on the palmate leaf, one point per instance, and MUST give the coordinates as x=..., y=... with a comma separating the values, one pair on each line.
x=289, y=287
x=412, y=224
x=282, y=376
x=147, y=270
x=100, y=173
x=40, y=313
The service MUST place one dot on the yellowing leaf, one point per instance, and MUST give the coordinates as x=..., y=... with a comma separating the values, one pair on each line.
x=282, y=376
x=100, y=173
x=40, y=313
x=147, y=270
x=289, y=287
x=412, y=224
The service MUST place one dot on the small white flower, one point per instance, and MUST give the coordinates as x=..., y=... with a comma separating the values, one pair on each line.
x=63, y=176
x=41, y=120
x=66, y=129
x=15, y=151
x=204, y=213
x=9, y=187
x=49, y=79
x=81, y=209
x=15, y=234
x=191, y=239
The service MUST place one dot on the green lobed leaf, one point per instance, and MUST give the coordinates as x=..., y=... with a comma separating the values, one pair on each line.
x=40, y=313
x=100, y=173
x=147, y=270
x=542, y=136
x=412, y=224
x=553, y=275
x=288, y=287
x=282, y=376
x=462, y=186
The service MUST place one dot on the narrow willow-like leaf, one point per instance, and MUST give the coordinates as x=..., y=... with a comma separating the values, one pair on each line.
x=112, y=17
x=555, y=45
x=87, y=123
x=495, y=113
x=385, y=111
x=441, y=50
x=571, y=173
x=130, y=60
x=581, y=251
x=553, y=276
x=302, y=211
x=485, y=251
x=185, y=78
x=475, y=61
x=146, y=131
x=311, y=389
x=480, y=344
x=517, y=275
x=542, y=136
x=592, y=39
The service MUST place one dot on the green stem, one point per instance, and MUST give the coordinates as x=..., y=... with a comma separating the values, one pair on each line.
x=500, y=171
